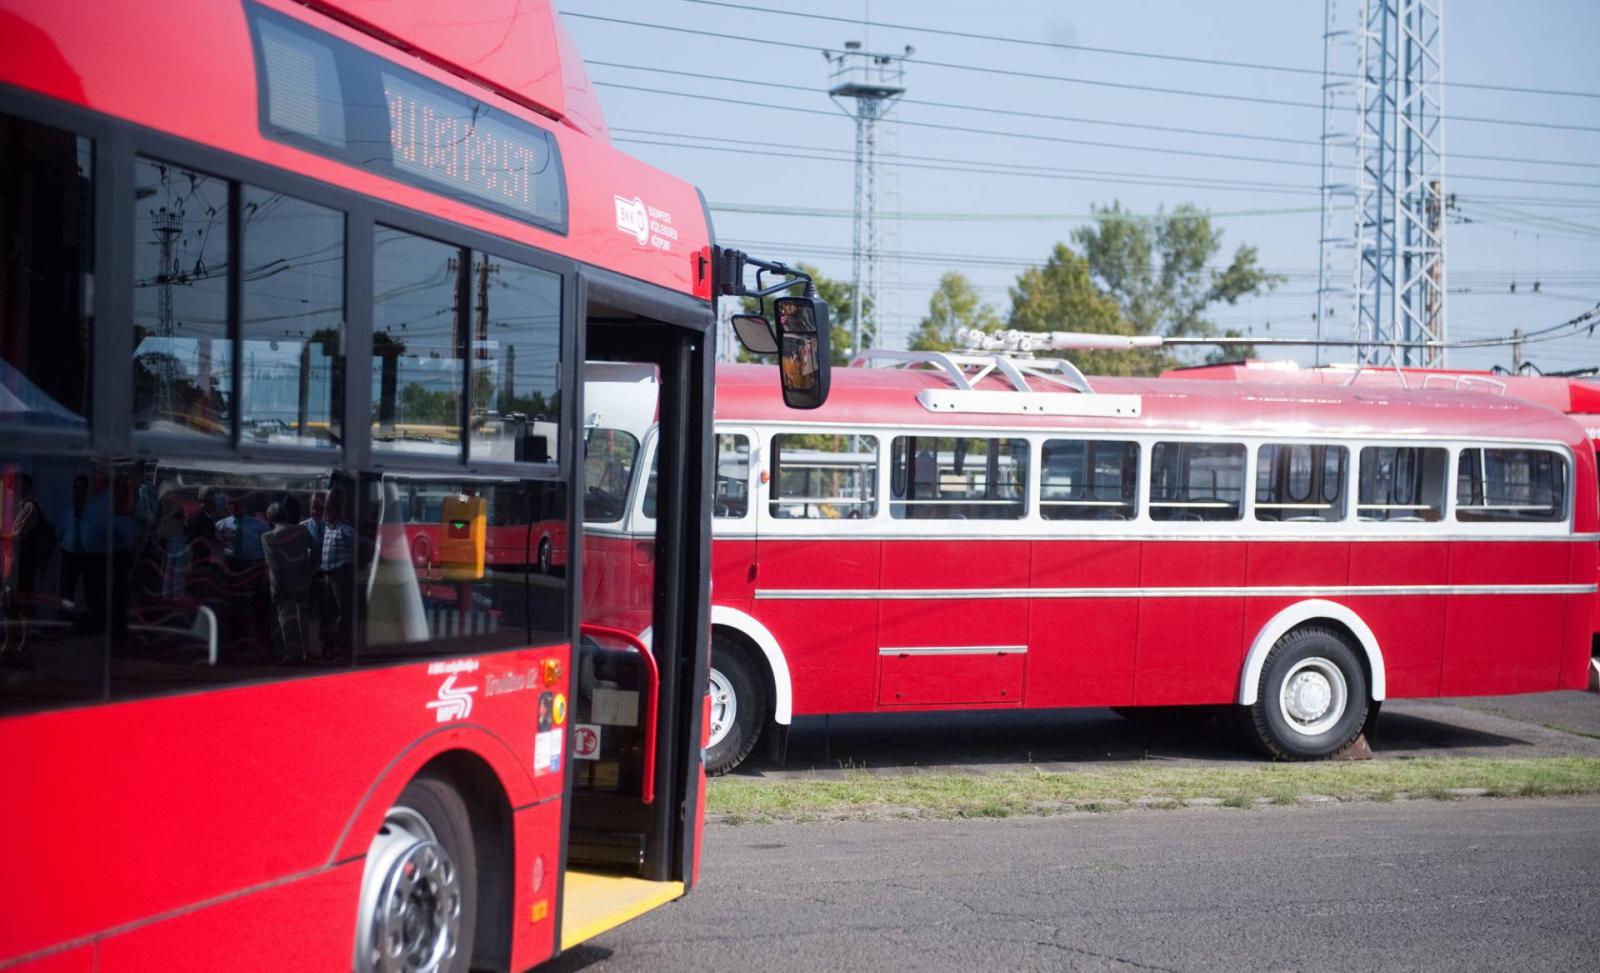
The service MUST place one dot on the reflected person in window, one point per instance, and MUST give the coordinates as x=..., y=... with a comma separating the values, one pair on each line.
x=291, y=568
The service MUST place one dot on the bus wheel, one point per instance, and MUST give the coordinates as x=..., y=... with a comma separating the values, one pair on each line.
x=545, y=558
x=1312, y=699
x=738, y=706
x=419, y=892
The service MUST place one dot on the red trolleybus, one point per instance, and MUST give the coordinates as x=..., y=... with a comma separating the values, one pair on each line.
x=981, y=532
x=278, y=279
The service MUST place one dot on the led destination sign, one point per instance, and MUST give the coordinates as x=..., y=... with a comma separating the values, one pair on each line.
x=329, y=97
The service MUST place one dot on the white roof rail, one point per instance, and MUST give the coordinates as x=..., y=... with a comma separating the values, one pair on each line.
x=964, y=370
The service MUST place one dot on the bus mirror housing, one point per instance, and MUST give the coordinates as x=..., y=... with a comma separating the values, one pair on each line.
x=804, y=361
x=755, y=334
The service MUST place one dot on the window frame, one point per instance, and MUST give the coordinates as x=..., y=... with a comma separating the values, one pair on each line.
x=768, y=492
x=1247, y=472
x=1458, y=461
x=1445, y=519
x=1037, y=507
x=1352, y=450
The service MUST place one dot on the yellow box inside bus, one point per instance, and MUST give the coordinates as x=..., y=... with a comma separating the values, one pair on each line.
x=463, y=537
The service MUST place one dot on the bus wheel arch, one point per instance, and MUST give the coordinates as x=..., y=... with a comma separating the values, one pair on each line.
x=744, y=653
x=456, y=800
x=1327, y=614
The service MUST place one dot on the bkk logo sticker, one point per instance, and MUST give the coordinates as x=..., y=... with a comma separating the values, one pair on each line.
x=647, y=225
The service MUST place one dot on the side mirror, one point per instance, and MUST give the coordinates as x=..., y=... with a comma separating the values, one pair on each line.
x=804, y=362
x=755, y=334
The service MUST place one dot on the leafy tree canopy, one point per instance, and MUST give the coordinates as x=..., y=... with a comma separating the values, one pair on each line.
x=1060, y=296
x=1161, y=270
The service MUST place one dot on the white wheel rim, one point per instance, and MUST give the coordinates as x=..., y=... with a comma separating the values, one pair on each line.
x=724, y=706
x=410, y=918
x=1313, y=696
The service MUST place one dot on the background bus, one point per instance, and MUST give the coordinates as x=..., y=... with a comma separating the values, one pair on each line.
x=1296, y=556
x=265, y=312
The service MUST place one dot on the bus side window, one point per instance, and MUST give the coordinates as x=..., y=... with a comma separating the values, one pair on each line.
x=822, y=476
x=732, y=499
x=1511, y=486
x=1300, y=483
x=1197, y=481
x=1402, y=483
x=959, y=478
x=1088, y=480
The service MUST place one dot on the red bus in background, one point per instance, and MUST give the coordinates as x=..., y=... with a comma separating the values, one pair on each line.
x=1577, y=396
x=990, y=533
x=294, y=304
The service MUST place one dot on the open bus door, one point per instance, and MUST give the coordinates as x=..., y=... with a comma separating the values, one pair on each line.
x=635, y=784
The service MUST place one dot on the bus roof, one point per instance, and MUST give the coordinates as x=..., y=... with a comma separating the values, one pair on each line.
x=888, y=396
x=1562, y=393
x=510, y=55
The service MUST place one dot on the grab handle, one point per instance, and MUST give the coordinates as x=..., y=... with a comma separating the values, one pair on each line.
x=647, y=789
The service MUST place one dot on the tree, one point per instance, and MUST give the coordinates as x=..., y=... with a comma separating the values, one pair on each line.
x=1060, y=296
x=954, y=305
x=839, y=296
x=1159, y=269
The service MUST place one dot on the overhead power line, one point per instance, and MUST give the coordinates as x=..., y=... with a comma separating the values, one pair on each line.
x=1077, y=119
x=1060, y=139
x=939, y=164
x=1120, y=52
x=1041, y=76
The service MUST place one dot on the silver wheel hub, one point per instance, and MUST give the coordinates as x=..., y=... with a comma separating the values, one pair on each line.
x=1314, y=696
x=410, y=918
x=724, y=706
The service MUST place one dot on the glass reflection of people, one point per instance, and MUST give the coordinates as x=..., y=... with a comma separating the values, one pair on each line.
x=797, y=324
x=29, y=552
x=76, y=536
x=339, y=567
x=292, y=569
x=319, y=618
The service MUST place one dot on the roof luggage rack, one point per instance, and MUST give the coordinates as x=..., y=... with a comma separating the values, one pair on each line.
x=1036, y=384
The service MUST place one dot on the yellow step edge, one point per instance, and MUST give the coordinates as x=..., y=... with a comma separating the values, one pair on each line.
x=593, y=902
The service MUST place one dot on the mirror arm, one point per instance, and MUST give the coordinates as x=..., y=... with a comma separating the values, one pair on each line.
x=732, y=280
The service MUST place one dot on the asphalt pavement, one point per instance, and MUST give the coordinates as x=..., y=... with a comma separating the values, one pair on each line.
x=1468, y=885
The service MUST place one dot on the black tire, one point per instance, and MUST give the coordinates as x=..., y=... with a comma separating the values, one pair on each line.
x=733, y=672
x=546, y=558
x=1273, y=724
x=437, y=803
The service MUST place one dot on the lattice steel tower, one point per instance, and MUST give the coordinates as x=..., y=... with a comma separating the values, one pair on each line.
x=874, y=82
x=1385, y=279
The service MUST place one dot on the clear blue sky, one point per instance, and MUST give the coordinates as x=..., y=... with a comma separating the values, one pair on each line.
x=1545, y=45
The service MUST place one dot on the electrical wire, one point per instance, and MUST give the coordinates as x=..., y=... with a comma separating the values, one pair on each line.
x=1037, y=136
x=1041, y=76
x=1011, y=112
x=1180, y=58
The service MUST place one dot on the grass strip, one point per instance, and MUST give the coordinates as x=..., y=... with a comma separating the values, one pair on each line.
x=861, y=795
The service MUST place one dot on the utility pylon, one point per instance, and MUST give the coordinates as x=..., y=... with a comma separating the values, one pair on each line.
x=1397, y=298
x=873, y=82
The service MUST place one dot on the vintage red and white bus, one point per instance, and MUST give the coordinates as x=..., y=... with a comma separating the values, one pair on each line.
x=280, y=282
x=964, y=532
